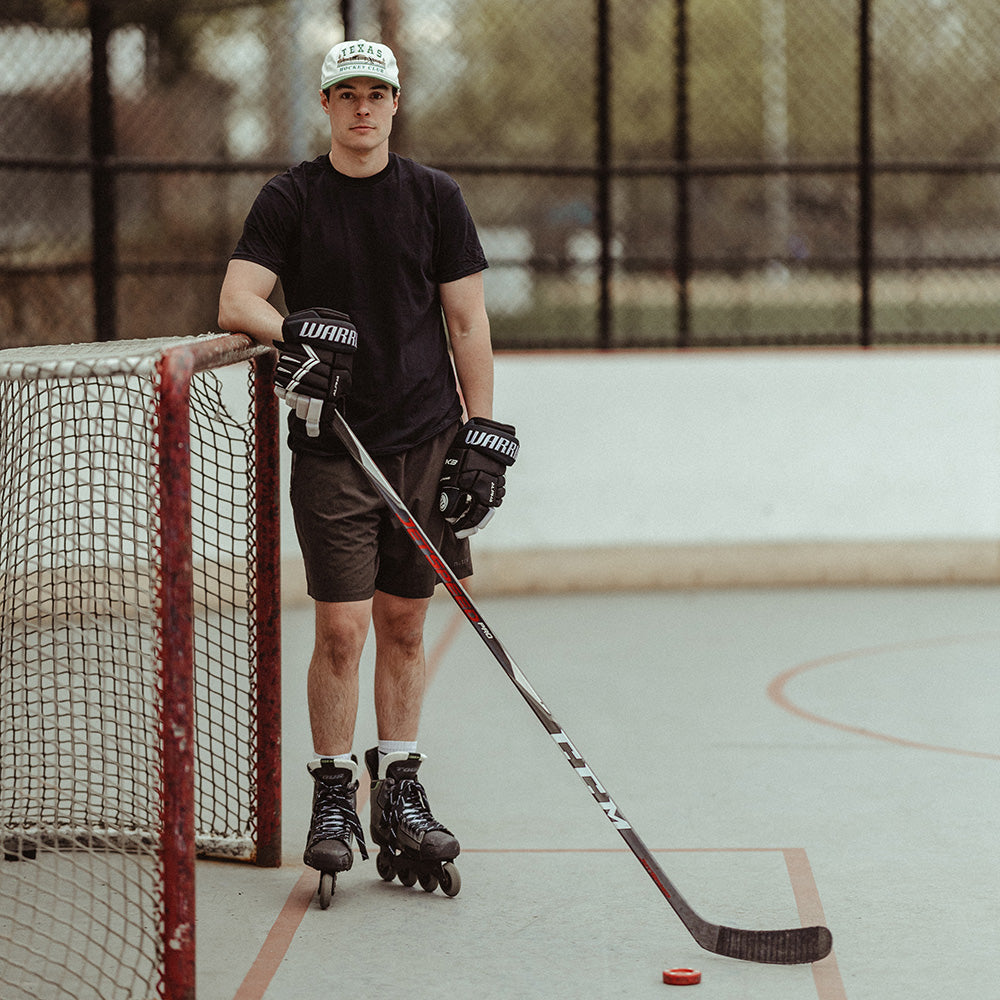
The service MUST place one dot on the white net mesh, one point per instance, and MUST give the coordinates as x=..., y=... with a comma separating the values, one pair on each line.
x=80, y=757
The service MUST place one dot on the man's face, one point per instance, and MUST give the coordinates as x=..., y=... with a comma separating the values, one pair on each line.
x=360, y=111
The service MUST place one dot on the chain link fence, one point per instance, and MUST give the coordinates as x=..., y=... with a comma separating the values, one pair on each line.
x=656, y=173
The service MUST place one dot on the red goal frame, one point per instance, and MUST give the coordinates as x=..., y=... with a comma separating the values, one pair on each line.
x=175, y=600
x=141, y=567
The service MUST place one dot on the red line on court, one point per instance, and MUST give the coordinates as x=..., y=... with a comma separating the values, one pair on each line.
x=776, y=692
x=826, y=975
x=278, y=939
x=284, y=928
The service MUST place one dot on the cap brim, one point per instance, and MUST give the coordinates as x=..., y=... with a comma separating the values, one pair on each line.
x=359, y=76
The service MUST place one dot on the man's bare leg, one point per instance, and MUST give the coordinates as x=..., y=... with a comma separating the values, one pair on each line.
x=400, y=665
x=341, y=631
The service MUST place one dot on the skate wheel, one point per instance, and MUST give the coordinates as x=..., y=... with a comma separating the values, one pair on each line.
x=428, y=881
x=384, y=866
x=449, y=879
x=327, y=884
x=408, y=877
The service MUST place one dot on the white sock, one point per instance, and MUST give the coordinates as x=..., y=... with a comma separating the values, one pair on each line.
x=386, y=747
x=318, y=757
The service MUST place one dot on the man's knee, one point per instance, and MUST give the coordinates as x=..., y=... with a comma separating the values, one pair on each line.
x=399, y=620
x=341, y=630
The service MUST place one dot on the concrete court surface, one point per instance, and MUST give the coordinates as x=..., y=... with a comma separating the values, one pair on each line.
x=791, y=755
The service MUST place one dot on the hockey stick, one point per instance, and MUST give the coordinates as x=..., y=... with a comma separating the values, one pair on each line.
x=781, y=947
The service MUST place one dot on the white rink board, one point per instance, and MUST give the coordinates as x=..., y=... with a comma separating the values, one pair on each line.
x=788, y=466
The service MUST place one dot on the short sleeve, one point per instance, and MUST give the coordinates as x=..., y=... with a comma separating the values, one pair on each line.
x=459, y=252
x=270, y=228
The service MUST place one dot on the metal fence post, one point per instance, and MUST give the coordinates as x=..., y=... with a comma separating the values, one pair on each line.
x=104, y=254
x=605, y=234
x=866, y=196
x=682, y=155
x=347, y=16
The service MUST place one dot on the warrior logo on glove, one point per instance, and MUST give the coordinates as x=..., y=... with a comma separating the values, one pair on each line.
x=314, y=363
x=337, y=333
x=472, y=481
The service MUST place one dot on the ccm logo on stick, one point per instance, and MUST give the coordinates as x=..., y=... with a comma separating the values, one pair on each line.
x=590, y=780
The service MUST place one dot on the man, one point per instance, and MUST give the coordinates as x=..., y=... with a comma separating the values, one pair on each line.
x=371, y=249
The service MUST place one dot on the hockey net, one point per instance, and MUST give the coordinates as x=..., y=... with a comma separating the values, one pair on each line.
x=139, y=678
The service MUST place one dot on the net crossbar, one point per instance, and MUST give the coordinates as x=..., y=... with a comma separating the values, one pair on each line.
x=139, y=706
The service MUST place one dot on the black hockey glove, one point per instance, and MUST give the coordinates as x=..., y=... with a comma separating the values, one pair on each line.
x=472, y=480
x=314, y=362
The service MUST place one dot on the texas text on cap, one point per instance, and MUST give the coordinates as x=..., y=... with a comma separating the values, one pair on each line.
x=359, y=58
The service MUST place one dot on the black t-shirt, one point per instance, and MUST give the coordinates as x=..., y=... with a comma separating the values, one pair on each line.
x=375, y=248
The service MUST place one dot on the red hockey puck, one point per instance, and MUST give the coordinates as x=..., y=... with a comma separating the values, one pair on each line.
x=682, y=977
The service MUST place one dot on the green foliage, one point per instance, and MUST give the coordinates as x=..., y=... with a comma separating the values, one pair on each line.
x=525, y=91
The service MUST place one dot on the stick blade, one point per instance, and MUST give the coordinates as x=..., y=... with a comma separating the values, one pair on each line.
x=796, y=946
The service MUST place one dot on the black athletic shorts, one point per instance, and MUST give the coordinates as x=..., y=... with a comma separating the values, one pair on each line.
x=352, y=543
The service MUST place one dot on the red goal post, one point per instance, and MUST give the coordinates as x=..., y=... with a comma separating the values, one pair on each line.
x=139, y=652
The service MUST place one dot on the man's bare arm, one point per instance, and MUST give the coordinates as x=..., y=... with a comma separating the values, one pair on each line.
x=464, y=308
x=243, y=302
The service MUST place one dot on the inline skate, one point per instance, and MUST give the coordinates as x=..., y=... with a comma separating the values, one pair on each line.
x=334, y=822
x=413, y=845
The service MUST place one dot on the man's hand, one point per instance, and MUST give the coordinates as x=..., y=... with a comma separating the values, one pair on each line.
x=472, y=480
x=314, y=362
